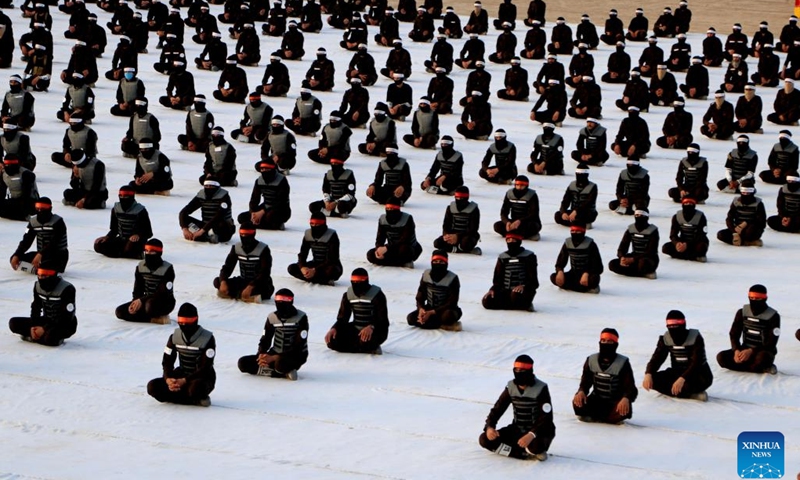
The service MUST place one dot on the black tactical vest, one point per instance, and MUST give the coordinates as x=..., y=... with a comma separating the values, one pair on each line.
x=249, y=262
x=363, y=307
x=286, y=329
x=127, y=219
x=153, y=278
x=514, y=271
x=460, y=218
x=52, y=301
x=639, y=240
x=526, y=404
x=680, y=355
x=395, y=231
x=756, y=326
x=607, y=383
x=45, y=233
x=189, y=352
x=437, y=292
x=340, y=186
x=519, y=206
x=319, y=246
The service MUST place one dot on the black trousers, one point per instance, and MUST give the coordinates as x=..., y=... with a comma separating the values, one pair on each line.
x=601, y=410
x=465, y=244
x=237, y=284
x=51, y=338
x=283, y=365
x=347, y=340
x=396, y=255
x=526, y=228
x=58, y=259
x=189, y=394
x=156, y=306
x=699, y=382
x=507, y=300
x=119, y=247
x=693, y=250
x=572, y=281
x=321, y=276
x=510, y=435
x=639, y=268
x=448, y=317
x=759, y=361
x=223, y=229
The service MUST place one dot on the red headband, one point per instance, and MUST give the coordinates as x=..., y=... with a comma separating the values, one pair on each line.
x=337, y=161
x=688, y=201
x=577, y=229
x=42, y=205
x=756, y=296
x=11, y=161
x=247, y=231
x=126, y=193
x=676, y=321
x=45, y=272
x=271, y=166
x=187, y=319
x=523, y=366
x=521, y=182
x=461, y=195
x=359, y=278
x=153, y=248
x=389, y=206
x=515, y=236
x=316, y=222
x=439, y=257
x=284, y=298
x=609, y=336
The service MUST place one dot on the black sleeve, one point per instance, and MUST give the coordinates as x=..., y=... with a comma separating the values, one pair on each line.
x=497, y=411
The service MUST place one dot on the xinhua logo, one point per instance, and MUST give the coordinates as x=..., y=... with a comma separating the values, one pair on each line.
x=760, y=455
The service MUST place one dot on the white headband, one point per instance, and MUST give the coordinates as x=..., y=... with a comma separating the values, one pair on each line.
x=211, y=183
x=145, y=145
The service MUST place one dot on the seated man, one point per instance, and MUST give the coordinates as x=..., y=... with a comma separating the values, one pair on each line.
x=692, y=177
x=718, y=119
x=199, y=123
x=739, y=166
x=520, y=211
x=689, y=375
x=515, y=83
x=269, y=206
x=609, y=376
x=370, y=325
x=232, y=84
x=579, y=204
x=382, y=132
x=754, y=336
x=392, y=178
x=782, y=159
x=424, y=126
x=281, y=146
x=786, y=107
x=50, y=233
x=142, y=125
x=696, y=85
x=338, y=192
x=334, y=142
x=325, y=265
x=18, y=190
x=214, y=204
x=283, y=347
x=515, y=278
x=633, y=138
x=130, y=228
x=396, y=242
x=633, y=189
x=748, y=111
x=532, y=432
x=153, y=295
x=547, y=157
x=590, y=149
x=220, y=160
x=788, y=217
x=87, y=185
x=476, y=119
x=504, y=154
x=195, y=349
x=437, y=297
x=746, y=219
x=254, y=282
x=687, y=234
x=446, y=173
x=637, y=254
x=52, y=317
x=677, y=127
x=254, y=125
x=460, y=227
x=585, y=262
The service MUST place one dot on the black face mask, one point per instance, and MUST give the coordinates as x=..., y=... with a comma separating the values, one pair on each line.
x=15, y=87
x=462, y=203
x=742, y=147
x=141, y=111
x=398, y=47
x=392, y=159
x=438, y=271
x=514, y=247
x=200, y=107
x=152, y=261
x=581, y=179
x=210, y=192
x=748, y=199
x=577, y=238
x=678, y=108
x=126, y=202
x=393, y=216
x=218, y=140
x=548, y=132
x=380, y=116
x=49, y=283
x=148, y=153
x=500, y=143
x=268, y=174
x=633, y=169
x=285, y=309
x=519, y=192
x=305, y=96
x=641, y=223
x=360, y=288
x=76, y=127
x=44, y=216
x=10, y=134
x=189, y=329
x=425, y=108
x=693, y=157
x=784, y=142
x=758, y=306
x=337, y=170
x=12, y=169
x=633, y=114
x=608, y=351
x=277, y=129
x=336, y=123
x=318, y=230
x=248, y=242
x=620, y=49
x=793, y=186
x=321, y=58
x=678, y=333
x=525, y=378
x=688, y=211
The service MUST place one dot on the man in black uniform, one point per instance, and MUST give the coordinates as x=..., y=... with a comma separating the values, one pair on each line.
x=532, y=431
x=50, y=233
x=195, y=348
x=692, y=176
x=325, y=266
x=424, y=126
x=504, y=167
x=754, y=336
x=586, y=101
x=689, y=375
x=199, y=122
x=547, y=157
x=382, y=132
x=338, y=192
x=613, y=31
x=52, y=311
x=281, y=146
x=520, y=211
x=786, y=107
x=392, y=178
x=362, y=66
x=354, y=108
x=535, y=42
x=232, y=84
x=254, y=125
x=129, y=228
x=636, y=93
x=307, y=113
x=18, y=190
x=13, y=142
x=283, y=347
x=269, y=206
x=214, y=203
x=677, y=127
x=254, y=282
x=633, y=138
x=782, y=159
x=462, y=220
x=153, y=174
x=87, y=185
x=556, y=99
x=476, y=119
x=610, y=377
x=637, y=28
x=740, y=166
x=696, y=85
x=370, y=325
x=590, y=148
x=515, y=278
x=180, y=88
x=292, y=43
x=746, y=220
x=618, y=66
x=586, y=265
x=276, y=80
x=396, y=242
x=142, y=125
x=633, y=189
x=399, y=97
x=718, y=119
x=320, y=74
x=220, y=160
x=437, y=297
x=214, y=54
x=334, y=141
x=579, y=204
x=78, y=136
x=515, y=83
x=18, y=104
x=687, y=234
x=748, y=111
x=637, y=254
x=446, y=173
x=713, y=53
x=153, y=295
x=788, y=203
x=441, y=55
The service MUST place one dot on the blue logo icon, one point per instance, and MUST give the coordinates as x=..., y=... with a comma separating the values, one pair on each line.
x=760, y=455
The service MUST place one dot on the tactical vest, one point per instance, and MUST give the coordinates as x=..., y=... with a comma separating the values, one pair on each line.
x=363, y=307
x=189, y=352
x=784, y=156
x=395, y=231
x=691, y=173
x=86, y=174
x=79, y=139
x=129, y=89
x=152, y=164
x=449, y=166
x=578, y=254
x=425, y=121
x=437, y=292
x=634, y=184
x=305, y=108
x=52, y=302
x=746, y=213
x=791, y=201
x=756, y=326
x=607, y=383
x=141, y=127
x=519, y=206
x=256, y=114
x=593, y=137
x=680, y=355
x=45, y=235
x=334, y=136
x=639, y=240
x=319, y=246
x=278, y=143
x=218, y=154
x=460, y=218
x=514, y=271
x=198, y=121
x=392, y=176
x=11, y=146
x=79, y=97
x=249, y=262
x=127, y=219
x=580, y=195
x=525, y=403
x=740, y=164
x=339, y=186
x=380, y=129
x=14, y=184
x=501, y=156
x=210, y=206
x=549, y=149
x=690, y=229
x=16, y=101
x=269, y=191
x=285, y=332
x=153, y=278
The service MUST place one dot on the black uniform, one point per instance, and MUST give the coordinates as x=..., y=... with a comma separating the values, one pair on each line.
x=51, y=242
x=285, y=335
x=788, y=205
x=633, y=186
x=722, y=116
x=269, y=201
x=697, y=83
x=306, y=115
x=514, y=268
x=399, y=236
x=368, y=309
x=523, y=206
x=449, y=164
x=610, y=380
x=504, y=154
x=52, y=309
x=255, y=268
x=677, y=129
x=215, y=207
x=639, y=245
x=152, y=286
x=196, y=354
x=691, y=179
x=749, y=217
x=633, y=132
x=437, y=292
x=87, y=185
x=18, y=193
x=159, y=165
x=687, y=354
x=515, y=83
x=579, y=197
x=584, y=258
x=689, y=226
x=392, y=173
x=339, y=189
x=324, y=249
x=591, y=143
x=748, y=114
x=462, y=218
x=128, y=220
x=757, y=329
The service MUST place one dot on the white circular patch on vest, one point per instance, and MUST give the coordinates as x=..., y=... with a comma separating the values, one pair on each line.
x=304, y=334
x=776, y=331
x=560, y=148
x=351, y=187
x=223, y=205
x=210, y=353
x=294, y=146
x=166, y=169
x=547, y=408
x=316, y=112
x=169, y=285
x=705, y=229
x=71, y=308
